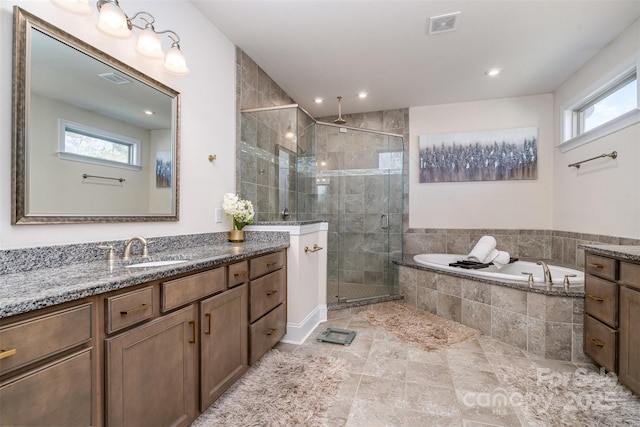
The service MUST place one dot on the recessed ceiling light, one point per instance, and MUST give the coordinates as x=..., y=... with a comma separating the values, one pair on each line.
x=493, y=72
x=318, y=100
x=362, y=95
x=149, y=112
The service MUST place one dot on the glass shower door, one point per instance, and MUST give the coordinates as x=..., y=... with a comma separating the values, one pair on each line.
x=360, y=188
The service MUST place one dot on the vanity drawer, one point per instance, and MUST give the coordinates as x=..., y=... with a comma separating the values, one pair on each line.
x=178, y=292
x=600, y=266
x=238, y=273
x=266, y=332
x=43, y=336
x=630, y=274
x=266, y=293
x=128, y=309
x=601, y=300
x=600, y=343
x=266, y=264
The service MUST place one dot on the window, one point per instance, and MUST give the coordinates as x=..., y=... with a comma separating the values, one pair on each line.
x=91, y=145
x=613, y=105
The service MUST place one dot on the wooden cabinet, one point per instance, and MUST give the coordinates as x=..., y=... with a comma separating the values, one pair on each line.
x=601, y=311
x=612, y=316
x=47, y=366
x=267, y=308
x=151, y=373
x=629, y=374
x=223, y=342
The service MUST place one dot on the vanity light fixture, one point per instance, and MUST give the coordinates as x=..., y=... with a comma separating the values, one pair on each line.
x=113, y=21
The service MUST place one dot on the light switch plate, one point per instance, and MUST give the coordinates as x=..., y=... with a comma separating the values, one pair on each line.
x=218, y=215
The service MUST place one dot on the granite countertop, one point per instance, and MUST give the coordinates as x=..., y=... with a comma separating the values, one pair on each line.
x=21, y=292
x=626, y=252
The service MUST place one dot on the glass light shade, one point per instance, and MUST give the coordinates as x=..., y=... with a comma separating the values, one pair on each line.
x=175, y=62
x=81, y=7
x=149, y=44
x=113, y=21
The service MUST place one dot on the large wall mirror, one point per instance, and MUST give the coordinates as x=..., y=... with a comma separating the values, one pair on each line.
x=94, y=140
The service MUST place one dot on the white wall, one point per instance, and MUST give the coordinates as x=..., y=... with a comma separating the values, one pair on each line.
x=207, y=119
x=602, y=197
x=483, y=204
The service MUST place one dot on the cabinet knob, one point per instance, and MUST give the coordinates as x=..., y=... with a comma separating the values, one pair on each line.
x=271, y=331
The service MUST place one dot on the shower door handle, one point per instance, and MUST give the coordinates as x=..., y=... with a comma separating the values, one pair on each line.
x=384, y=222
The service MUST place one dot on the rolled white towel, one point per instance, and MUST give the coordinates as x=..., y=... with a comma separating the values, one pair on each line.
x=501, y=259
x=482, y=249
x=494, y=253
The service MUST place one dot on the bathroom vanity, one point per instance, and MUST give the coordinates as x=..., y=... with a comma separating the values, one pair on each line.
x=157, y=349
x=612, y=310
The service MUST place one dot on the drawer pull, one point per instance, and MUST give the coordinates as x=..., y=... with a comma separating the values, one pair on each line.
x=243, y=273
x=271, y=331
x=272, y=264
x=208, y=316
x=596, y=342
x=7, y=353
x=143, y=307
x=273, y=292
x=595, y=298
x=193, y=329
x=598, y=266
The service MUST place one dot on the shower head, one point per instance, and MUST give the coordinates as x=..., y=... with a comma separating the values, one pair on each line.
x=339, y=120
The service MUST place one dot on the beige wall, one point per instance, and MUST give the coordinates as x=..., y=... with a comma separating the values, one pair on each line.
x=484, y=204
x=207, y=119
x=602, y=197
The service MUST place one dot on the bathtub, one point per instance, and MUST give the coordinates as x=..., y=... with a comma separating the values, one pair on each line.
x=511, y=271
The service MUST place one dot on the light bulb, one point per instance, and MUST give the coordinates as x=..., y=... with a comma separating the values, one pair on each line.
x=149, y=44
x=175, y=62
x=81, y=7
x=113, y=21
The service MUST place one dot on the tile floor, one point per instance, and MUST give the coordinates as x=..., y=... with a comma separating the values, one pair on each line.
x=392, y=383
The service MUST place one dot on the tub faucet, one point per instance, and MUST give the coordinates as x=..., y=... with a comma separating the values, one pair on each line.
x=127, y=247
x=547, y=274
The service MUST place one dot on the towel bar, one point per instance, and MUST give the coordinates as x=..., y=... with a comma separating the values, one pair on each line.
x=612, y=154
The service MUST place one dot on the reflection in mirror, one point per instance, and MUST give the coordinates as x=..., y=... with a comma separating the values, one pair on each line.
x=94, y=139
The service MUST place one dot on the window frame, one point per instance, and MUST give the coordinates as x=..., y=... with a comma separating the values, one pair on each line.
x=571, y=121
x=80, y=128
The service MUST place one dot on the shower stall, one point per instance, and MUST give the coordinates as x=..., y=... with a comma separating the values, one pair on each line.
x=295, y=168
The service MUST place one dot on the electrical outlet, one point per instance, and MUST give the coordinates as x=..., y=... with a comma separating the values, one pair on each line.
x=218, y=215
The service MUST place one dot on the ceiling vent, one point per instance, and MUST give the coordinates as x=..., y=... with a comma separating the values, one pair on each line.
x=114, y=78
x=443, y=23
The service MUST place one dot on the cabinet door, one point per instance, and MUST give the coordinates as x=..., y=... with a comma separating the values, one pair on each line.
x=56, y=394
x=150, y=373
x=630, y=339
x=224, y=342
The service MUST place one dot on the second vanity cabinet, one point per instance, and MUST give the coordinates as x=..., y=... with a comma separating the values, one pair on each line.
x=612, y=316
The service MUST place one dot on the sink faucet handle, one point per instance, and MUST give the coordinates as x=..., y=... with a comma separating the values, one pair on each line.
x=565, y=282
x=111, y=258
x=529, y=279
x=145, y=248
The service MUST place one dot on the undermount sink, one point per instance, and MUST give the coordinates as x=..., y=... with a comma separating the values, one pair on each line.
x=156, y=263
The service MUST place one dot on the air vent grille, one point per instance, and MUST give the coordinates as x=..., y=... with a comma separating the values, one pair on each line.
x=114, y=78
x=443, y=23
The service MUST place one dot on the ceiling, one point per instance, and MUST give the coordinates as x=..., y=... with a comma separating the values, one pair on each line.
x=334, y=48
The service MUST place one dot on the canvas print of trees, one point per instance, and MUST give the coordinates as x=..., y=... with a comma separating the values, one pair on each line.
x=479, y=156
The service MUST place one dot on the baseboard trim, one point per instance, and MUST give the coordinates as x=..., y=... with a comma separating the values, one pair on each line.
x=297, y=333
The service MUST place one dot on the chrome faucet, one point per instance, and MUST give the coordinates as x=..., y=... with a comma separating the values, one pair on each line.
x=127, y=247
x=547, y=274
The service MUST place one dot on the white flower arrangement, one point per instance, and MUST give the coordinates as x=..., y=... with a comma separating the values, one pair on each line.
x=241, y=211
